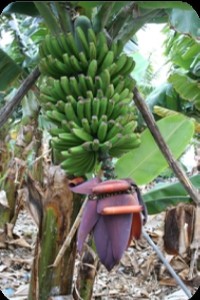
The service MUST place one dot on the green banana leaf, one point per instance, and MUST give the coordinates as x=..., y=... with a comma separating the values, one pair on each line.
x=89, y=4
x=21, y=7
x=146, y=162
x=48, y=16
x=164, y=95
x=183, y=51
x=185, y=21
x=9, y=70
x=186, y=87
x=166, y=194
x=163, y=4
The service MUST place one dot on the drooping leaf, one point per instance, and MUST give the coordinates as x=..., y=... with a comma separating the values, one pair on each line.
x=182, y=50
x=166, y=194
x=164, y=112
x=21, y=7
x=89, y=4
x=164, y=95
x=163, y=4
x=186, y=87
x=146, y=162
x=185, y=21
x=9, y=70
x=48, y=16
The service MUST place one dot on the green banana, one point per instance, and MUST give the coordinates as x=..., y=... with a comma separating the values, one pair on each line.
x=87, y=109
x=112, y=69
x=89, y=95
x=65, y=85
x=72, y=44
x=56, y=131
x=110, y=91
x=94, y=124
x=103, y=118
x=129, y=127
x=47, y=41
x=123, y=95
x=115, y=129
x=115, y=97
x=74, y=87
x=83, y=86
x=80, y=109
x=102, y=47
x=49, y=106
x=115, y=139
x=92, y=36
x=66, y=61
x=86, y=125
x=117, y=47
x=107, y=61
x=120, y=86
x=128, y=68
x=90, y=83
x=121, y=62
x=92, y=68
x=92, y=51
x=87, y=146
x=79, y=167
x=46, y=98
x=95, y=145
x=76, y=150
x=83, y=22
x=79, y=164
x=100, y=94
x=62, y=40
x=56, y=116
x=73, y=102
x=102, y=131
x=99, y=83
x=56, y=50
x=118, y=110
x=58, y=91
x=43, y=52
x=119, y=150
x=75, y=65
x=117, y=79
x=105, y=147
x=82, y=134
x=66, y=126
x=60, y=105
x=80, y=36
x=47, y=69
x=71, y=114
x=83, y=61
x=103, y=106
x=70, y=138
x=110, y=107
x=105, y=77
x=130, y=83
x=58, y=144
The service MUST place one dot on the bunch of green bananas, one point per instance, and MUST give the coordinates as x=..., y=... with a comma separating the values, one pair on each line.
x=87, y=94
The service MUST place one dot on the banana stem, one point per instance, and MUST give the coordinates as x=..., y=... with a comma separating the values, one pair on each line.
x=107, y=165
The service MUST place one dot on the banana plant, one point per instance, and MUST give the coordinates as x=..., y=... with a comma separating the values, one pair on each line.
x=85, y=95
x=181, y=93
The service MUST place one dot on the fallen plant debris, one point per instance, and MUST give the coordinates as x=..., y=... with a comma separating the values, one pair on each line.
x=139, y=275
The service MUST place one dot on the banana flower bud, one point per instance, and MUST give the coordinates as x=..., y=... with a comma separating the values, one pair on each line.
x=114, y=213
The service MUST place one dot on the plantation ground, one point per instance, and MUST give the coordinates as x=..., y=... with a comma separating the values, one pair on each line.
x=140, y=274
